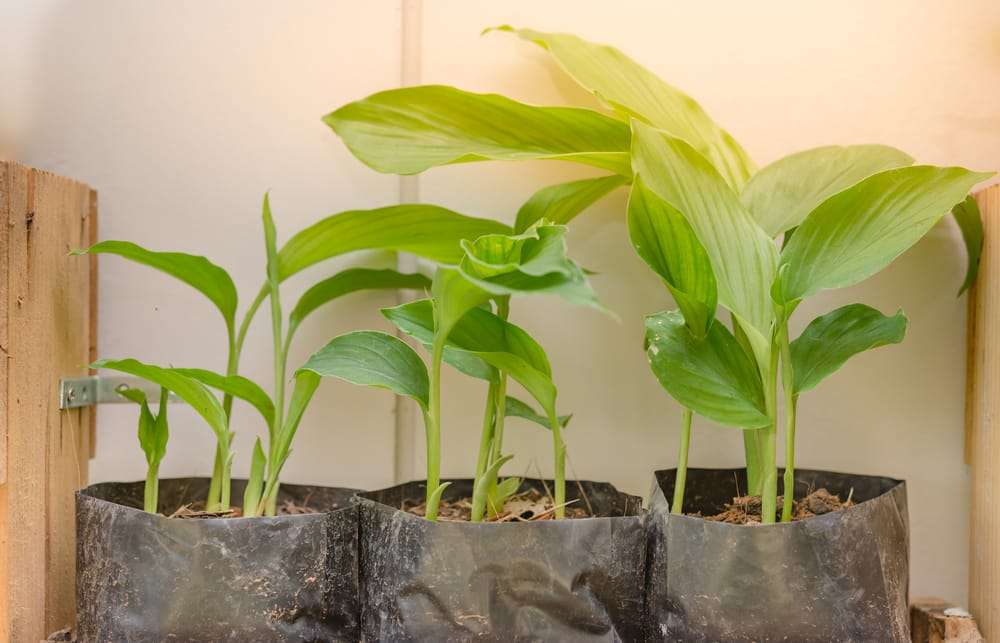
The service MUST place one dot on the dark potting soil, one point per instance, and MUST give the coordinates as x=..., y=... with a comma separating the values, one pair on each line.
x=746, y=510
x=529, y=506
x=197, y=510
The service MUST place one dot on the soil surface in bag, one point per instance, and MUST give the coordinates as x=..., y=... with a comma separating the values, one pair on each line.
x=841, y=576
x=547, y=580
x=145, y=577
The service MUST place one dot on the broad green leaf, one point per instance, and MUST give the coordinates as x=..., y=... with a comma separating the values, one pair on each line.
x=536, y=382
x=744, y=258
x=561, y=203
x=371, y=358
x=255, y=484
x=237, y=386
x=782, y=195
x=428, y=231
x=478, y=330
x=970, y=222
x=712, y=376
x=632, y=90
x=350, y=281
x=830, y=340
x=187, y=388
x=409, y=130
x=665, y=241
x=533, y=262
x=197, y=272
x=859, y=231
x=514, y=407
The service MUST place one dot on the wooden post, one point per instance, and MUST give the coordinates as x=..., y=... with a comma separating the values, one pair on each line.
x=46, y=327
x=933, y=620
x=983, y=424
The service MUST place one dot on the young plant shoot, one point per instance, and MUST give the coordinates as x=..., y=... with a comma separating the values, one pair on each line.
x=153, y=437
x=704, y=219
x=458, y=326
x=427, y=231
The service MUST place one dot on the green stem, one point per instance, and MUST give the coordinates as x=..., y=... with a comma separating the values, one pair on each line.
x=791, y=401
x=769, y=485
x=486, y=435
x=682, y=464
x=752, y=449
x=559, y=448
x=152, y=490
x=214, y=499
x=434, y=427
x=499, y=415
x=236, y=349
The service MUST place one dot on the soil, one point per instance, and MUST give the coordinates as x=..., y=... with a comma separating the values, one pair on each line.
x=746, y=510
x=196, y=510
x=523, y=507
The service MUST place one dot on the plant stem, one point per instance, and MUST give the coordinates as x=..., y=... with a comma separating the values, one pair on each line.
x=682, y=464
x=486, y=436
x=151, y=491
x=214, y=499
x=752, y=449
x=791, y=401
x=500, y=399
x=434, y=426
x=769, y=485
x=559, y=447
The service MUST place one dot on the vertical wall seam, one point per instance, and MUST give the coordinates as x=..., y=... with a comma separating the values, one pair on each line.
x=404, y=442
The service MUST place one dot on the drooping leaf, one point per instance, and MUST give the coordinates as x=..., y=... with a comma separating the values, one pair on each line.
x=665, y=241
x=412, y=129
x=561, y=203
x=533, y=262
x=744, y=258
x=478, y=330
x=859, y=231
x=371, y=358
x=147, y=422
x=781, y=195
x=712, y=376
x=632, y=90
x=187, y=388
x=197, y=272
x=970, y=222
x=831, y=339
x=514, y=407
x=237, y=386
x=255, y=483
x=350, y=281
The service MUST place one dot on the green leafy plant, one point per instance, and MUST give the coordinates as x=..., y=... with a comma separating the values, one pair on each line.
x=704, y=219
x=427, y=231
x=464, y=323
x=153, y=436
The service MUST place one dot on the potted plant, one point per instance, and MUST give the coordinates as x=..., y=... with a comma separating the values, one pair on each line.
x=175, y=557
x=706, y=221
x=488, y=556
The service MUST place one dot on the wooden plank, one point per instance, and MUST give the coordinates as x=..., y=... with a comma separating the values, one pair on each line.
x=91, y=237
x=933, y=620
x=48, y=330
x=6, y=199
x=983, y=428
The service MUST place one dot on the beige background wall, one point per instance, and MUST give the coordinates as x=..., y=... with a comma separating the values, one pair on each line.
x=183, y=113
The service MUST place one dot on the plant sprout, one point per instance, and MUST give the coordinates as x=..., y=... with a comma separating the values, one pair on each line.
x=427, y=231
x=703, y=217
x=153, y=436
x=459, y=326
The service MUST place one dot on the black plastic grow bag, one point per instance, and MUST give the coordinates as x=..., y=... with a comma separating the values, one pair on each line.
x=841, y=576
x=145, y=577
x=565, y=580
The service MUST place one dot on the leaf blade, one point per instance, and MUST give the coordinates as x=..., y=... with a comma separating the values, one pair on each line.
x=781, y=195
x=859, y=231
x=632, y=90
x=831, y=339
x=562, y=202
x=712, y=376
x=970, y=222
x=412, y=129
x=237, y=386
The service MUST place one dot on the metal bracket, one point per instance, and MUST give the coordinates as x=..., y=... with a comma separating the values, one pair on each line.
x=76, y=392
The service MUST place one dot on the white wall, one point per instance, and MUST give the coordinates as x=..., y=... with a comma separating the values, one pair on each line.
x=183, y=113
